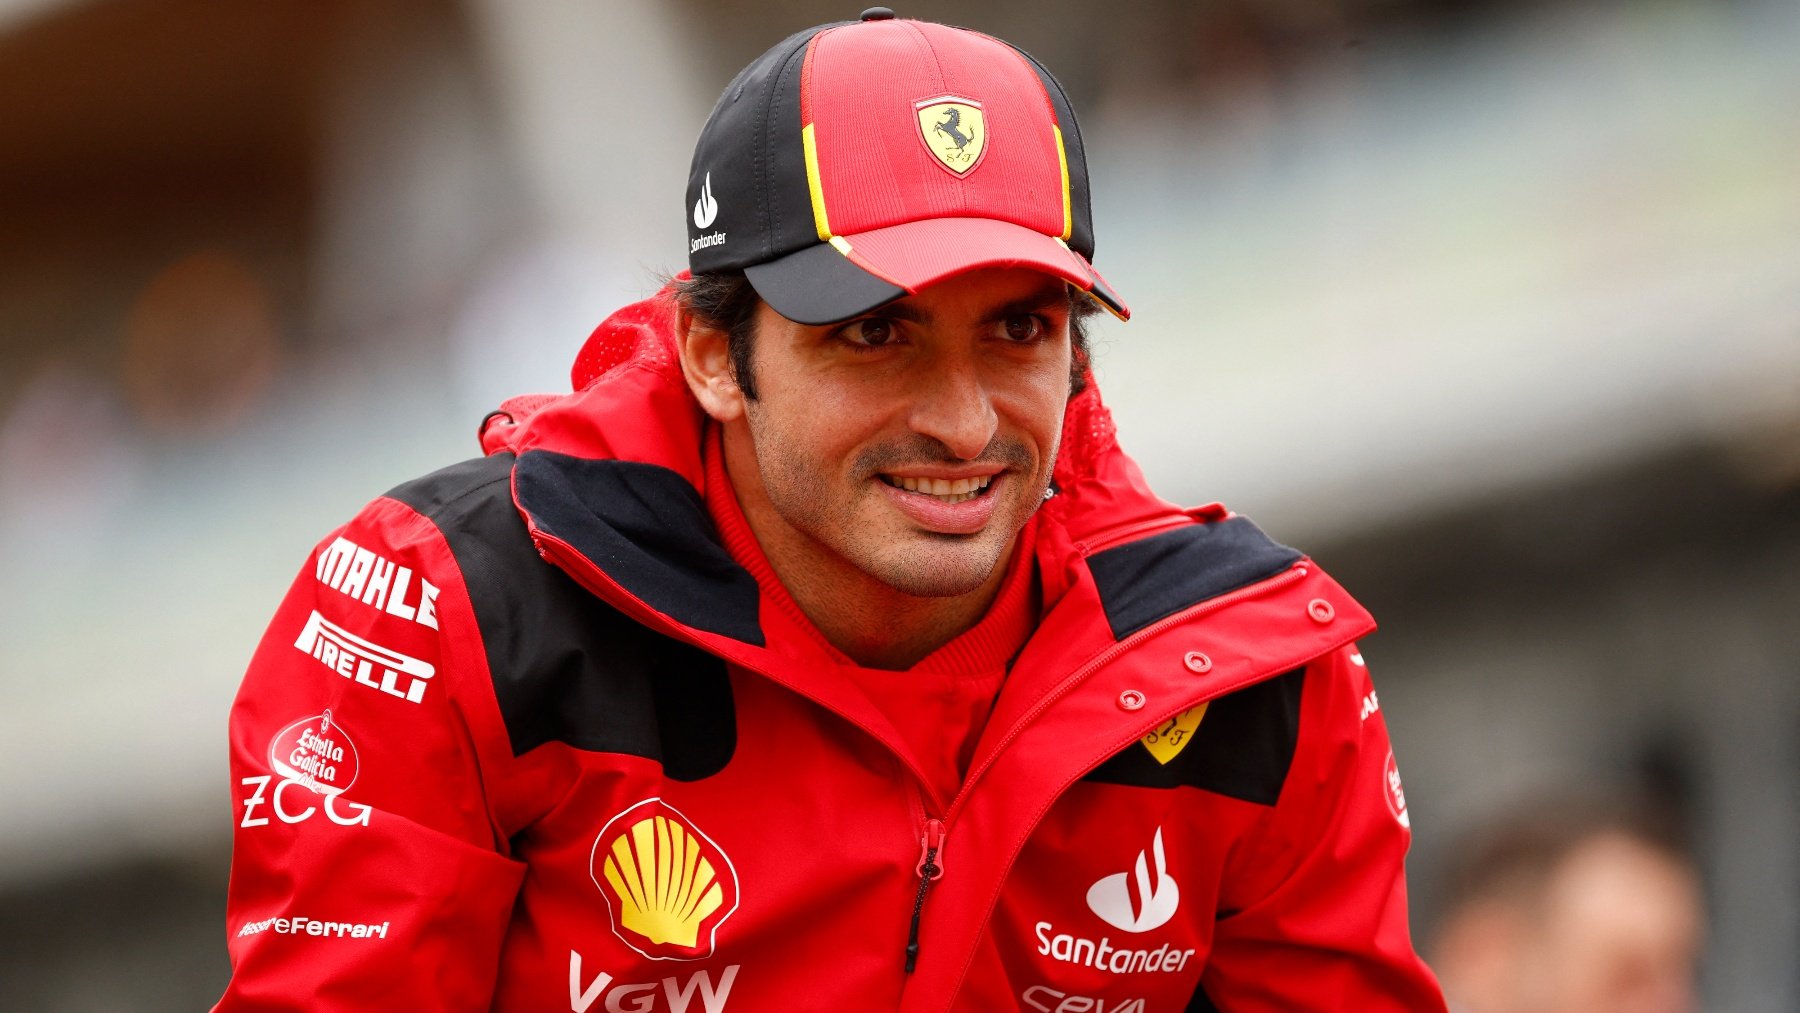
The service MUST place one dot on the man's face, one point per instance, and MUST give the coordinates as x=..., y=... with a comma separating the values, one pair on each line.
x=1621, y=933
x=910, y=445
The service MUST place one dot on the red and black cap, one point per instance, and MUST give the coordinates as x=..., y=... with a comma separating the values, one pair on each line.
x=858, y=162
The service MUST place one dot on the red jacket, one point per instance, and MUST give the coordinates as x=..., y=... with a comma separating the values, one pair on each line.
x=523, y=736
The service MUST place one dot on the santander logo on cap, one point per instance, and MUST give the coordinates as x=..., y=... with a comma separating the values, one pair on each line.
x=706, y=208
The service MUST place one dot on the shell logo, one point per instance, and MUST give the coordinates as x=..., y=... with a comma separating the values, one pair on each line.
x=667, y=885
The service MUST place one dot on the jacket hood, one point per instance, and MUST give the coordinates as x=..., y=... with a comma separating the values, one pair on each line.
x=610, y=482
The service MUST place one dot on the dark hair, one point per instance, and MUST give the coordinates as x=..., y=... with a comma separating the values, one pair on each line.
x=726, y=301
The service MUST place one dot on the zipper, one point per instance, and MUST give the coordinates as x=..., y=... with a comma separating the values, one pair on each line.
x=929, y=870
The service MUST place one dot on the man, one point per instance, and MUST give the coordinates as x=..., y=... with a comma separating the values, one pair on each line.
x=1572, y=908
x=822, y=650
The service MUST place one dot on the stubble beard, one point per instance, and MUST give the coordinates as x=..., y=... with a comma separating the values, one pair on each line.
x=919, y=564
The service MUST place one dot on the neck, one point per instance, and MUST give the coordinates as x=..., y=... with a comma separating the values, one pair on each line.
x=873, y=624
x=884, y=630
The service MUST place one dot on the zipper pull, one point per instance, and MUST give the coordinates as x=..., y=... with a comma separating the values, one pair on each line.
x=930, y=869
x=931, y=851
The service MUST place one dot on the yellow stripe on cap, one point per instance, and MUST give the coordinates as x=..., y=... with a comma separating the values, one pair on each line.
x=816, y=187
x=1092, y=291
x=1062, y=159
x=842, y=245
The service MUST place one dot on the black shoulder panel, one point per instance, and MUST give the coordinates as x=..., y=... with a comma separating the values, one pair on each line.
x=567, y=667
x=1201, y=1003
x=1242, y=749
x=650, y=531
x=1156, y=577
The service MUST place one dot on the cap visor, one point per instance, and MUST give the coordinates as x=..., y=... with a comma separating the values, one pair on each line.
x=835, y=281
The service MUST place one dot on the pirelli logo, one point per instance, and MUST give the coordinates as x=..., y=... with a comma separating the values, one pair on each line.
x=364, y=662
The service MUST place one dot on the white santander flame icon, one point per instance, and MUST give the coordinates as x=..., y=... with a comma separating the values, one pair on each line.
x=1111, y=897
x=705, y=209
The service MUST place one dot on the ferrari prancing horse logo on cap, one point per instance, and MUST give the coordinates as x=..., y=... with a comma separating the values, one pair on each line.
x=953, y=130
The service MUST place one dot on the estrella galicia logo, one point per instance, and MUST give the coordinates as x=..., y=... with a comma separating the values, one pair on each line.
x=317, y=752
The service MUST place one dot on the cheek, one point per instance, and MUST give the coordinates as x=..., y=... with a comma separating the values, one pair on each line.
x=1037, y=406
x=799, y=449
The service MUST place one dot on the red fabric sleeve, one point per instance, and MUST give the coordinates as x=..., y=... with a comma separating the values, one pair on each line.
x=367, y=869
x=1313, y=916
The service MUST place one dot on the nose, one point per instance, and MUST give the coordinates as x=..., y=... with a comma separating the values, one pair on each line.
x=952, y=406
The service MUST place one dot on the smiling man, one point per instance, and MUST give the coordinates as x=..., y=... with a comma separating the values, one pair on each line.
x=889, y=524
x=822, y=649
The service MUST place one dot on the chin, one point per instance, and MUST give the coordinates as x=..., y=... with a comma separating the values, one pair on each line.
x=942, y=571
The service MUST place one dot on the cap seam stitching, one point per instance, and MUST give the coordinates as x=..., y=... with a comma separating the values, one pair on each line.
x=771, y=205
x=1045, y=81
x=943, y=88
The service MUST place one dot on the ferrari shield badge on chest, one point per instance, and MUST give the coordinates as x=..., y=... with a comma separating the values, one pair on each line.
x=954, y=131
x=1173, y=735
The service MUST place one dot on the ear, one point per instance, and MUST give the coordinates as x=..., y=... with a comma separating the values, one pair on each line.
x=706, y=363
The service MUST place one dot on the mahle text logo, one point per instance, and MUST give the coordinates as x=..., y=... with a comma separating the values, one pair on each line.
x=669, y=887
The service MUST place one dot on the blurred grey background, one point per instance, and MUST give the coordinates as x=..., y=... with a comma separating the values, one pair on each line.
x=1493, y=306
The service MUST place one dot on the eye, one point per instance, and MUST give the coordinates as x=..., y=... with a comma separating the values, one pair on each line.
x=1024, y=328
x=869, y=332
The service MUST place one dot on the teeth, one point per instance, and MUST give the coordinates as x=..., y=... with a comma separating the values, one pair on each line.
x=950, y=491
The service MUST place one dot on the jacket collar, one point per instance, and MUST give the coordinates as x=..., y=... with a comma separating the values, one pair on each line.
x=610, y=481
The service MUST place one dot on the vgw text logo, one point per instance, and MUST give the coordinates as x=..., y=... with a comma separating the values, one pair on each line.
x=678, y=996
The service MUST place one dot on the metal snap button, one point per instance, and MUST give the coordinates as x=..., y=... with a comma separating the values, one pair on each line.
x=1320, y=610
x=1197, y=663
x=1131, y=700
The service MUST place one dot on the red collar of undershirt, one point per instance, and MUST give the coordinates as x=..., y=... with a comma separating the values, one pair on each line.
x=983, y=648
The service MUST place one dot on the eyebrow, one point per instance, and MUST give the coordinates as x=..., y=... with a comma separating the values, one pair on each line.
x=1053, y=294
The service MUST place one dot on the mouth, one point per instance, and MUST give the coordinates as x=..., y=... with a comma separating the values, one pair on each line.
x=947, y=491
